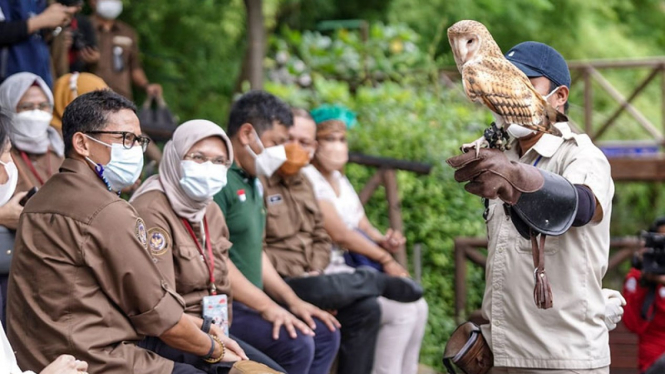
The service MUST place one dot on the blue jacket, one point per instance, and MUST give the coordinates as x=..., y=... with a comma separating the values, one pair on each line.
x=31, y=54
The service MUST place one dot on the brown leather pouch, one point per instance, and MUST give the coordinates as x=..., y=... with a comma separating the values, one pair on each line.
x=251, y=367
x=468, y=350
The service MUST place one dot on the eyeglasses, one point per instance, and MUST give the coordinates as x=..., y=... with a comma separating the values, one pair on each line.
x=199, y=159
x=45, y=106
x=128, y=138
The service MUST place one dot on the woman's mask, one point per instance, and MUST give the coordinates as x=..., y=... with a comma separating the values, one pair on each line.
x=202, y=181
x=7, y=189
x=332, y=155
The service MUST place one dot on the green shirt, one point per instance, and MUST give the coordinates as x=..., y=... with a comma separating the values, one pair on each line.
x=241, y=201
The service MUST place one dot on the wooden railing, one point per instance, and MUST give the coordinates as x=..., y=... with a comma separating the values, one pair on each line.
x=386, y=175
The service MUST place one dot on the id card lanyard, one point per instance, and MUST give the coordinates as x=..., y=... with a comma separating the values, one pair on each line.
x=209, y=260
x=27, y=161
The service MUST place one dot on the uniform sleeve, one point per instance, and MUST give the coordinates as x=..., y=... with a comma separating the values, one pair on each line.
x=159, y=238
x=590, y=167
x=115, y=251
x=634, y=295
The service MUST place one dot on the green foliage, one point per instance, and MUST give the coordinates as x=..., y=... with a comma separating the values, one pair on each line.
x=389, y=52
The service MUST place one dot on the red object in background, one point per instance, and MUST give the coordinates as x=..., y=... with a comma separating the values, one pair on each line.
x=651, y=334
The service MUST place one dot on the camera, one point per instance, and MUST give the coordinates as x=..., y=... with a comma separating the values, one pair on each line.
x=653, y=258
x=71, y=2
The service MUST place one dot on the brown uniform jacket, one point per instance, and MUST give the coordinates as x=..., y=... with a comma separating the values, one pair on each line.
x=120, y=38
x=177, y=255
x=82, y=281
x=296, y=241
x=46, y=165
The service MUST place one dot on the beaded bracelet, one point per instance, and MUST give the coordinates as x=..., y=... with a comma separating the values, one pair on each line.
x=208, y=358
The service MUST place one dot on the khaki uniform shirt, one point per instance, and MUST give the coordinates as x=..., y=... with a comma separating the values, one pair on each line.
x=45, y=165
x=82, y=281
x=571, y=335
x=296, y=241
x=177, y=255
x=120, y=41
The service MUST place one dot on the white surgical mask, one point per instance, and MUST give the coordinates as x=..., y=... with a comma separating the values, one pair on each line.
x=109, y=9
x=7, y=189
x=32, y=123
x=518, y=131
x=269, y=160
x=202, y=181
x=123, y=169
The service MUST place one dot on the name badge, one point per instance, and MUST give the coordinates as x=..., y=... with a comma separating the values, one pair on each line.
x=217, y=308
x=275, y=199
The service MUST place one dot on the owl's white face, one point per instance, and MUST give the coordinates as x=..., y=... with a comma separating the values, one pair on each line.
x=465, y=48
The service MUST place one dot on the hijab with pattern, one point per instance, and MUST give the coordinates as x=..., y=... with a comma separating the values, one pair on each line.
x=170, y=172
x=11, y=92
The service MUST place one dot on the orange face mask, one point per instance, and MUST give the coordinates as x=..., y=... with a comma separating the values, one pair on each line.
x=296, y=158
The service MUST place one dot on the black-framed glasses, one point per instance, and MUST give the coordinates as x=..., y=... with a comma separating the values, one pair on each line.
x=200, y=158
x=128, y=138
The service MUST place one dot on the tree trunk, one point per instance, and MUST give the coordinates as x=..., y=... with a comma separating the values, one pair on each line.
x=253, y=61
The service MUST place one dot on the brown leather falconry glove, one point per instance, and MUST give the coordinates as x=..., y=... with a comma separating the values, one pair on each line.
x=491, y=175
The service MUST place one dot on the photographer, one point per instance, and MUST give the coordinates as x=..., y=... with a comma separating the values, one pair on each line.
x=644, y=291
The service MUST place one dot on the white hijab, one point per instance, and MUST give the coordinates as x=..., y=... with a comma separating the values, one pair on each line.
x=11, y=92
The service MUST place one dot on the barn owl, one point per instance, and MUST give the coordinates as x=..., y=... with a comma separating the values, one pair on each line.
x=489, y=78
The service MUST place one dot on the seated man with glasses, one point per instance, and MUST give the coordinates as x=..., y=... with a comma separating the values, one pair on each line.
x=83, y=280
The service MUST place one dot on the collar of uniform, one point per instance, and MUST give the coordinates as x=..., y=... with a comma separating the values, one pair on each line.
x=100, y=27
x=287, y=181
x=79, y=167
x=240, y=171
x=548, y=144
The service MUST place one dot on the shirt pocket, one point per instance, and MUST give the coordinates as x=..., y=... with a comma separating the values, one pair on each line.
x=190, y=270
x=279, y=222
x=552, y=244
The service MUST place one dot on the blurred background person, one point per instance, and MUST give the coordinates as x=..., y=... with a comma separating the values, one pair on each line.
x=644, y=290
x=37, y=148
x=69, y=87
x=24, y=27
x=119, y=62
x=402, y=324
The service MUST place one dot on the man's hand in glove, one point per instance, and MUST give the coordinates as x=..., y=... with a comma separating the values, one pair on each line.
x=614, y=304
x=491, y=175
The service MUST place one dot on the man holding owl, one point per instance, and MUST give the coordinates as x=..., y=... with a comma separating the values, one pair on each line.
x=548, y=198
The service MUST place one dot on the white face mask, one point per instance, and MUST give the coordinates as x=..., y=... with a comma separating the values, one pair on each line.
x=109, y=9
x=7, y=189
x=269, y=160
x=518, y=131
x=123, y=169
x=202, y=181
x=32, y=123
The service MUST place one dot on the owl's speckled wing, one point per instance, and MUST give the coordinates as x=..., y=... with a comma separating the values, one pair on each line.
x=506, y=91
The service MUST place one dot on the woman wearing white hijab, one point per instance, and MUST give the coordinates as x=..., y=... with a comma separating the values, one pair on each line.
x=188, y=236
x=37, y=148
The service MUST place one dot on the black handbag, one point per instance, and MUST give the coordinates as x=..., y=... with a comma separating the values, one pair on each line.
x=7, y=237
x=157, y=121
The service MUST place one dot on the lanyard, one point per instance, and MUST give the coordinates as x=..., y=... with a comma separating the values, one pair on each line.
x=210, y=260
x=27, y=161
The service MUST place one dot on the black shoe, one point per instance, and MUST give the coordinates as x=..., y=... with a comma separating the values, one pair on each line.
x=402, y=289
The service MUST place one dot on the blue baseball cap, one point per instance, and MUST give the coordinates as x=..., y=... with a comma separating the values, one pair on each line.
x=540, y=60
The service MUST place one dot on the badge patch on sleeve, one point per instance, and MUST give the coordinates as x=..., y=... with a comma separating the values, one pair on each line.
x=275, y=199
x=159, y=241
x=141, y=233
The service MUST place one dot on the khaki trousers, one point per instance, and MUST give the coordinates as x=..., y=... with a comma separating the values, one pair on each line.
x=496, y=370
